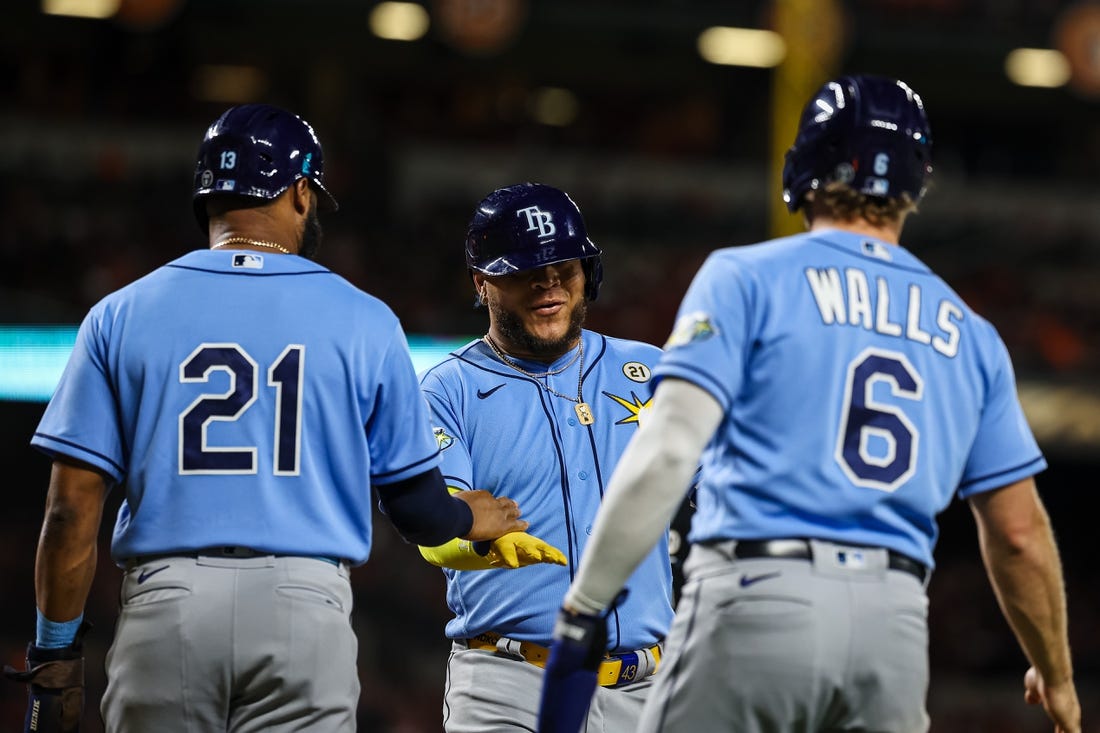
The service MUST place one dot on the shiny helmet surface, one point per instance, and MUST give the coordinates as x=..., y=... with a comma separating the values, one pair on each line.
x=530, y=225
x=869, y=132
x=258, y=151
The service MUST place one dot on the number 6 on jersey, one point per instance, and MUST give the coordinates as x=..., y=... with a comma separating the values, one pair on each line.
x=864, y=421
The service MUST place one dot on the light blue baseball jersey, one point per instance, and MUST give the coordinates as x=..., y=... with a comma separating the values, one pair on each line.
x=242, y=399
x=861, y=394
x=502, y=431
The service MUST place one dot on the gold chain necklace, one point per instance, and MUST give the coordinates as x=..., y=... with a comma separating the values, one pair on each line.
x=583, y=410
x=253, y=242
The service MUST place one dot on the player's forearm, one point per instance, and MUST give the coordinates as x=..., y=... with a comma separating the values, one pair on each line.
x=66, y=559
x=423, y=511
x=63, y=577
x=1030, y=590
x=647, y=486
x=1026, y=573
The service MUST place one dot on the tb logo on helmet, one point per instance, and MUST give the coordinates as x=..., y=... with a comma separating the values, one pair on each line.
x=539, y=220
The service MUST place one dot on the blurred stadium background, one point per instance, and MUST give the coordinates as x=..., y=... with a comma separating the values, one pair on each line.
x=665, y=120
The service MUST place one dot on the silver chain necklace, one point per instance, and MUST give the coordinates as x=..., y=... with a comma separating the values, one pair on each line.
x=583, y=410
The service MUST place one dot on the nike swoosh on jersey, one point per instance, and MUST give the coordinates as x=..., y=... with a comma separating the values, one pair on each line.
x=747, y=580
x=482, y=395
x=146, y=574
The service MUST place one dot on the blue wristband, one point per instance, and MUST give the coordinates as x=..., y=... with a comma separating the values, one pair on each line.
x=55, y=634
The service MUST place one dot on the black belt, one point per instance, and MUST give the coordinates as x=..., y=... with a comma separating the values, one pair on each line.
x=801, y=550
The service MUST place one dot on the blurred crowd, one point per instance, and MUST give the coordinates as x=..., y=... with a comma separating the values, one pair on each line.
x=667, y=157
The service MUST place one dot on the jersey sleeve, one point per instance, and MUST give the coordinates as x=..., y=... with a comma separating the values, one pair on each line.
x=399, y=433
x=1004, y=449
x=708, y=344
x=81, y=420
x=456, y=464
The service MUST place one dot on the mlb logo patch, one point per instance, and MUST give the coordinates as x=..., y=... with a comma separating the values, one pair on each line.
x=248, y=261
x=879, y=250
x=226, y=184
x=877, y=187
x=851, y=559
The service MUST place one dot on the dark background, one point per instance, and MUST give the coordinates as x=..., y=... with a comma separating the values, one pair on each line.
x=667, y=156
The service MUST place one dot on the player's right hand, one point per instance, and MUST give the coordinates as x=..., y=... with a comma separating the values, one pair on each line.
x=570, y=679
x=1059, y=701
x=493, y=516
x=55, y=678
x=519, y=549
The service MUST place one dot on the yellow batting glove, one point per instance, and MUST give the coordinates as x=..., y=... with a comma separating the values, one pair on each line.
x=519, y=549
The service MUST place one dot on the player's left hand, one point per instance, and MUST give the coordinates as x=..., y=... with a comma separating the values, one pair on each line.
x=570, y=679
x=55, y=702
x=519, y=549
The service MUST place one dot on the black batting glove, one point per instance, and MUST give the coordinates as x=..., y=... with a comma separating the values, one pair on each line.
x=581, y=638
x=578, y=648
x=55, y=702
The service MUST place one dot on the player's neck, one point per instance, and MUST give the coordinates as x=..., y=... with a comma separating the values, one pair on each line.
x=888, y=233
x=241, y=231
x=517, y=351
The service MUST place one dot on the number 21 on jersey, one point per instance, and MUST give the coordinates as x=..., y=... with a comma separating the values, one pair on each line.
x=284, y=376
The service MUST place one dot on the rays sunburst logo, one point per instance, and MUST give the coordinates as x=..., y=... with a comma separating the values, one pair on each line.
x=635, y=406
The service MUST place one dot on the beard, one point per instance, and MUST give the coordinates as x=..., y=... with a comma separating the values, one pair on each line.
x=312, y=234
x=512, y=328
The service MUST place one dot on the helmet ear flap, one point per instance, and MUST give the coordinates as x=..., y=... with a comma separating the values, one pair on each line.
x=593, y=276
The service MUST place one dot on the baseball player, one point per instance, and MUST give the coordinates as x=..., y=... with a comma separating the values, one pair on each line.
x=539, y=409
x=246, y=400
x=840, y=395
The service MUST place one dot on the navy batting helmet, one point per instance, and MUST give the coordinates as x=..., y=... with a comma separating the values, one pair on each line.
x=258, y=151
x=531, y=225
x=868, y=132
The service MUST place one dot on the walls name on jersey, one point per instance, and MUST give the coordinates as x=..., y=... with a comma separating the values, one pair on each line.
x=848, y=297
